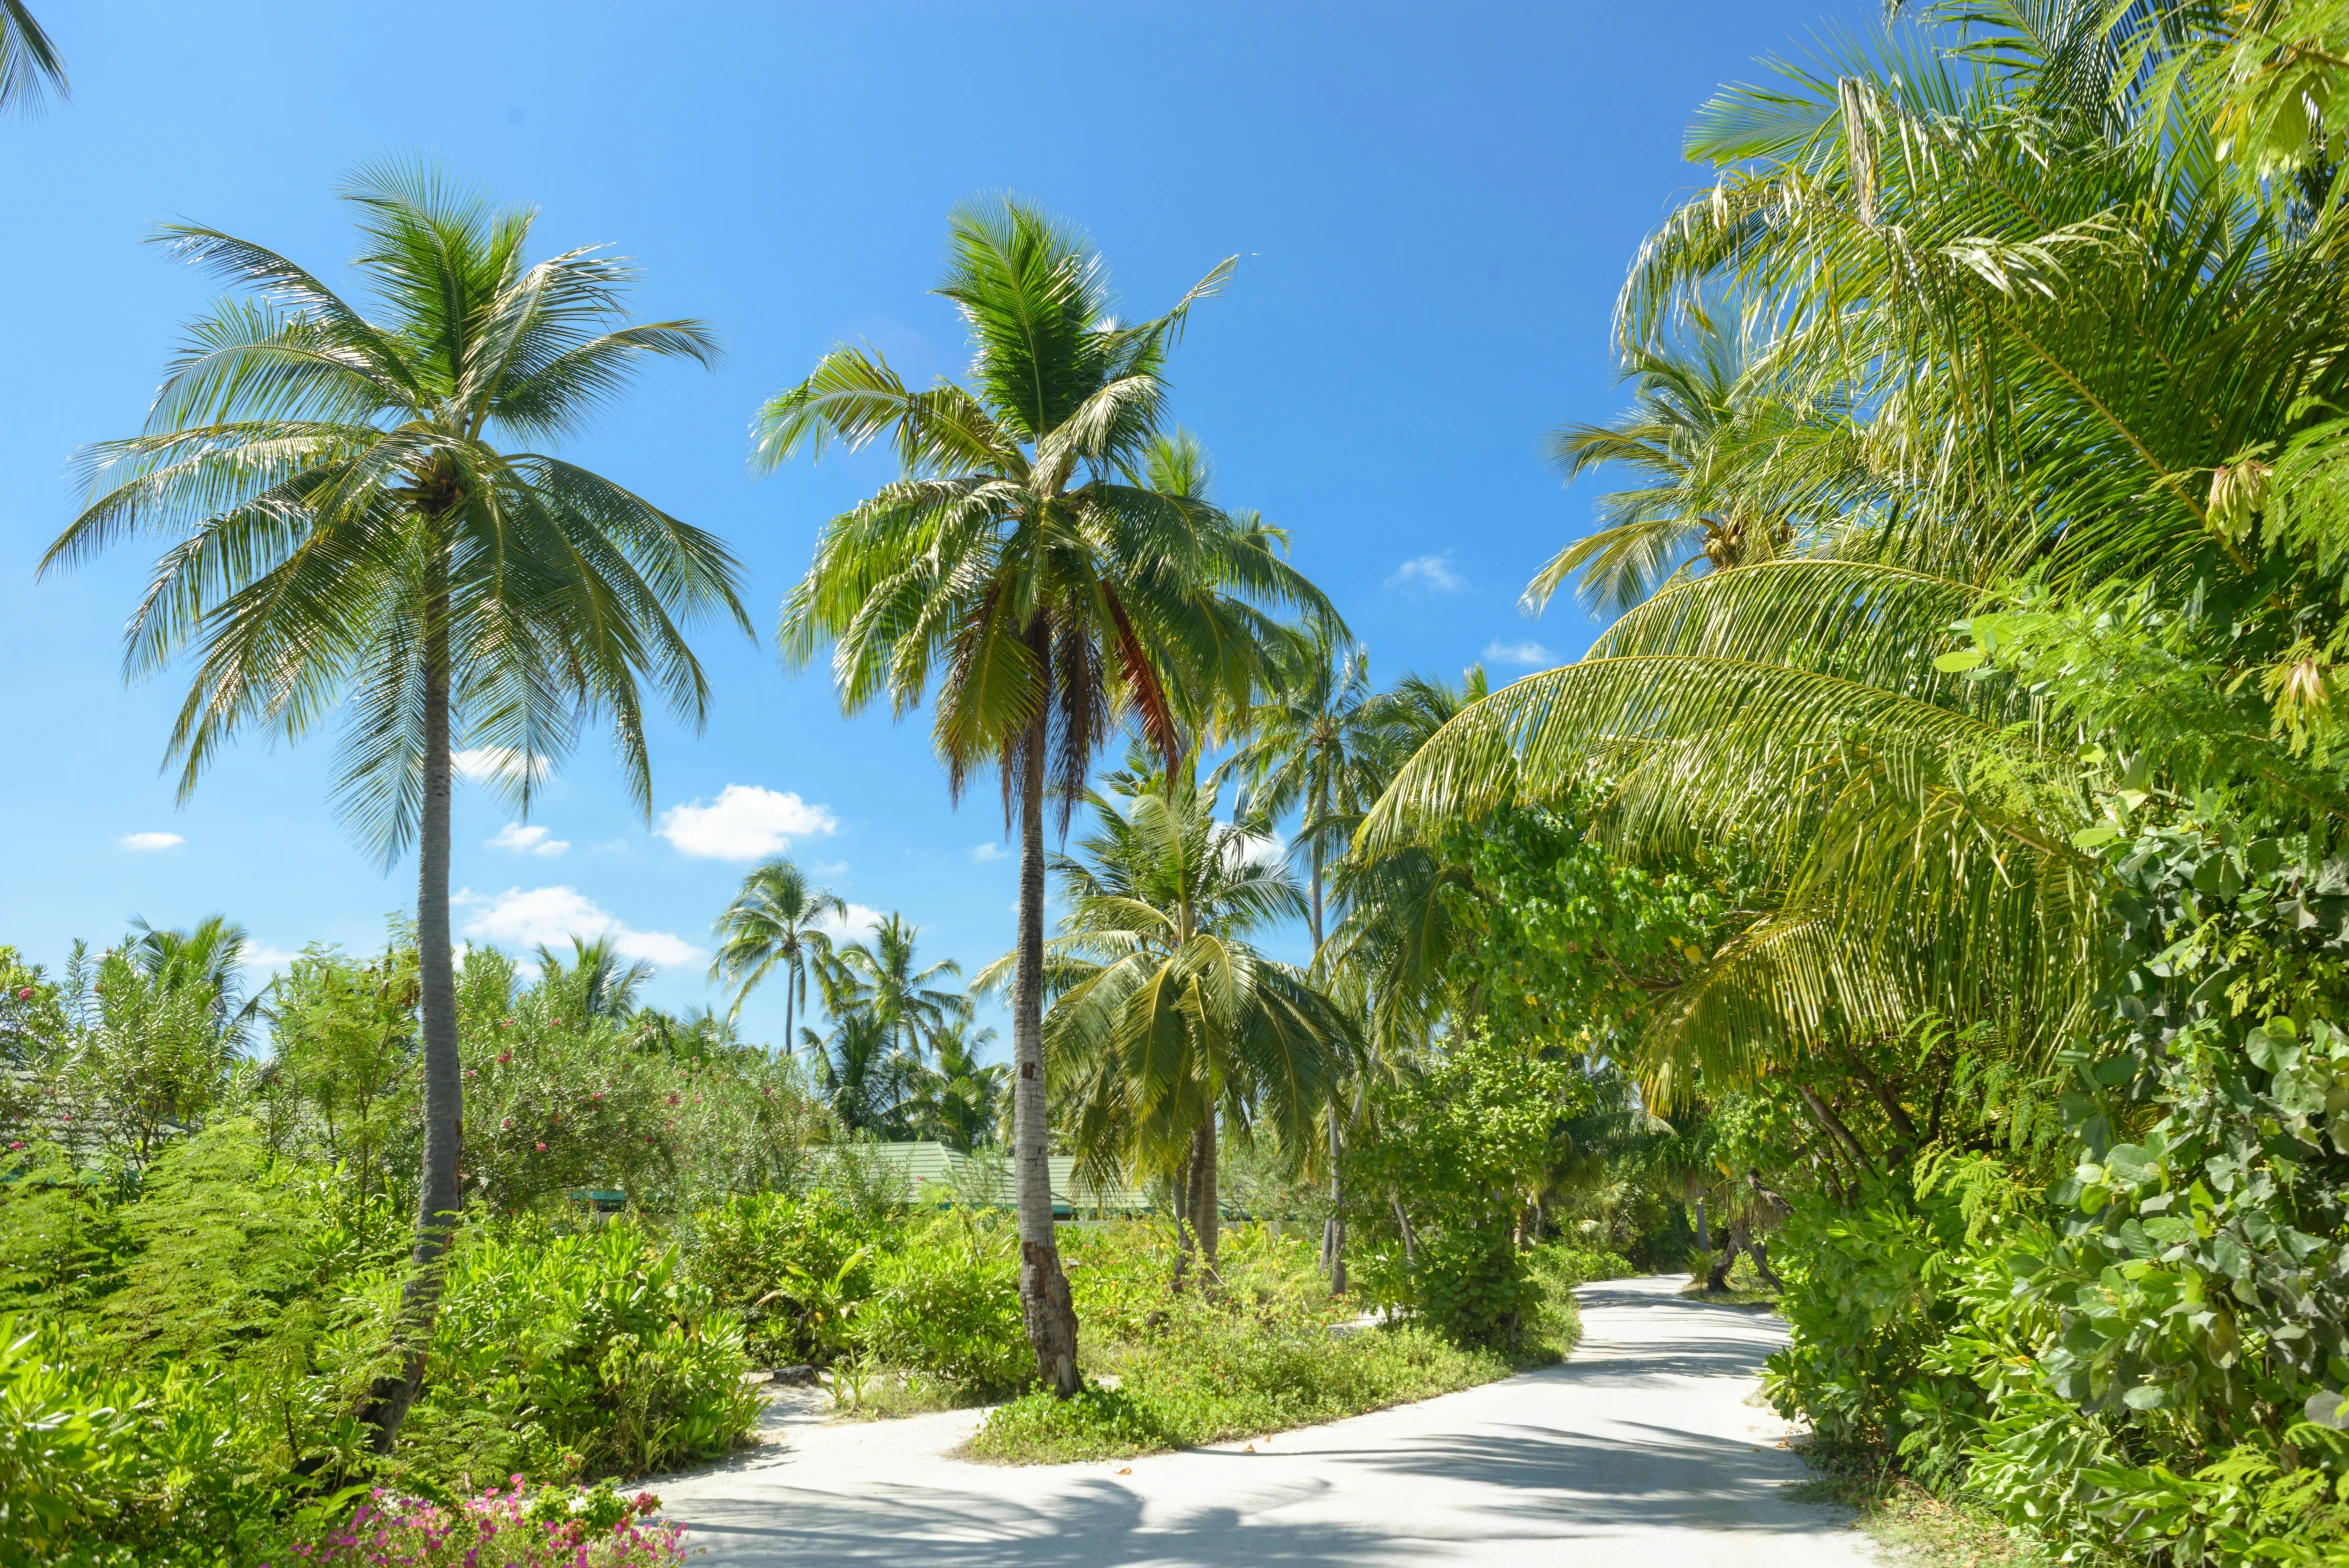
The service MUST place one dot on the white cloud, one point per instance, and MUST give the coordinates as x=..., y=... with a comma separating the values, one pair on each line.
x=527, y=917
x=743, y=823
x=830, y=868
x=495, y=765
x=1262, y=849
x=150, y=841
x=860, y=921
x=528, y=840
x=1427, y=574
x=982, y=853
x=260, y=955
x=1525, y=653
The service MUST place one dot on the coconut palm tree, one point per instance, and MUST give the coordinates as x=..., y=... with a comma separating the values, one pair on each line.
x=1167, y=1024
x=1016, y=576
x=29, y=64
x=354, y=529
x=208, y=957
x=775, y=922
x=961, y=1101
x=869, y=1082
x=596, y=983
x=1305, y=750
x=879, y=977
x=1726, y=466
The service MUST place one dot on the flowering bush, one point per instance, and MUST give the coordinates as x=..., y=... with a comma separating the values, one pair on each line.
x=499, y=1529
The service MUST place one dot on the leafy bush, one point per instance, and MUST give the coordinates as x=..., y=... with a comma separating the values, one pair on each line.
x=586, y=1354
x=97, y=1466
x=1214, y=1373
x=948, y=1305
x=790, y=1267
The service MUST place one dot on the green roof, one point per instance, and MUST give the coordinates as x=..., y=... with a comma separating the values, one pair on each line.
x=931, y=1172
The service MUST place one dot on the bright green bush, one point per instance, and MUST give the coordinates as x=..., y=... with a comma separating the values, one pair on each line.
x=1214, y=1373
x=587, y=1354
x=790, y=1267
x=947, y=1305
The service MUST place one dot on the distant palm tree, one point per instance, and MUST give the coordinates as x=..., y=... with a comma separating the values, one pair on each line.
x=1016, y=568
x=774, y=923
x=29, y=65
x=208, y=957
x=879, y=978
x=351, y=526
x=1307, y=749
x=1167, y=1022
x=961, y=1101
x=598, y=983
x=869, y=1082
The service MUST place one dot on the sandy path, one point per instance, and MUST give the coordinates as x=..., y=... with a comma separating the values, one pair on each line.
x=1641, y=1450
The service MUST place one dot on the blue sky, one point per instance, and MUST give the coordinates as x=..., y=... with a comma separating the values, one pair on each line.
x=1434, y=205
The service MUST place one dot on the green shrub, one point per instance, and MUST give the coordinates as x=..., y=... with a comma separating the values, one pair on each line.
x=588, y=1354
x=790, y=1267
x=948, y=1306
x=97, y=1466
x=1212, y=1373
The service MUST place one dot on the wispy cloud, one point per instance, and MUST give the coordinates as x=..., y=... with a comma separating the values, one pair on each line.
x=530, y=839
x=982, y=853
x=743, y=823
x=858, y=922
x=495, y=765
x=150, y=841
x=260, y=955
x=527, y=917
x=1427, y=574
x=1528, y=654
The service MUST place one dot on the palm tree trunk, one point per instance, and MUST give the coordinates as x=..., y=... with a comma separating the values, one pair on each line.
x=1044, y=1298
x=1333, y=1230
x=444, y=1095
x=1704, y=1237
x=791, y=976
x=1206, y=1216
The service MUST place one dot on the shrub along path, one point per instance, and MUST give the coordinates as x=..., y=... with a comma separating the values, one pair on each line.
x=1641, y=1450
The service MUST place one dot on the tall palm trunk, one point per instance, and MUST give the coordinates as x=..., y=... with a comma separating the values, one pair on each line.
x=1206, y=1216
x=1333, y=1230
x=444, y=1094
x=1044, y=1298
x=792, y=975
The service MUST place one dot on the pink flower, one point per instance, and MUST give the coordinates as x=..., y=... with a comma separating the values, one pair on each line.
x=24, y=993
x=505, y=1057
x=595, y=1096
x=506, y=1125
x=672, y=1099
x=542, y=1148
x=16, y=1143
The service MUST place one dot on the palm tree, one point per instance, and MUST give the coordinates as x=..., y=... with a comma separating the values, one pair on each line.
x=1013, y=568
x=869, y=1082
x=1167, y=1023
x=597, y=983
x=209, y=957
x=960, y=1102
x=29, y=65
x=351, y=527
x=1714, y=452
x=879, y=978
x=1305, y=751
x=774, y=923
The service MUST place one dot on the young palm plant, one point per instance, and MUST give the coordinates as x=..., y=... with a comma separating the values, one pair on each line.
x=353, y=529
x=775, y=923
x=1168, y=1025
x=1016, y=569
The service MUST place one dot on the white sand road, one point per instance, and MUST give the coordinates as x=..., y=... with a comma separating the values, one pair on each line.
x=1644, y=1449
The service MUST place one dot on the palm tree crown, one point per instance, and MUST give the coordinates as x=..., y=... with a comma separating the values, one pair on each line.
x=775, y=922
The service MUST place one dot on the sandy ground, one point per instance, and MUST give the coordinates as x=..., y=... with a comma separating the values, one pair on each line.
x=1646, y=1449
